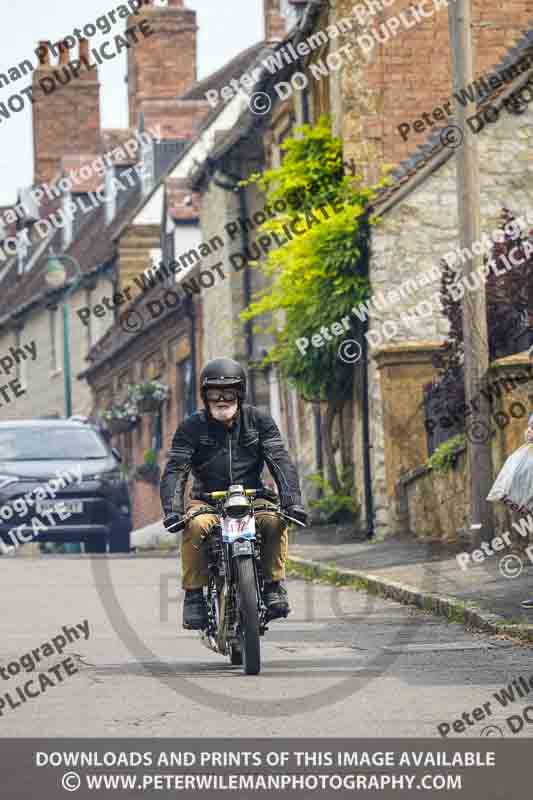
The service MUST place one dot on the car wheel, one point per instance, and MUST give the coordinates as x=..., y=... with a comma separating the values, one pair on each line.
x=120, y=542
x=96, y=544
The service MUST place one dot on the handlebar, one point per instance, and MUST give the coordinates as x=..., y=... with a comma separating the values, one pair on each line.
x=265, y=494
x=221, y=495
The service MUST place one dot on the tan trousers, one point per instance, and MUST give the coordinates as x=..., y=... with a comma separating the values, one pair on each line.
x=194, y=554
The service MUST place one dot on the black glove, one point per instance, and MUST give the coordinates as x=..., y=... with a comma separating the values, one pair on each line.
x=174, y=522
x=296, y=512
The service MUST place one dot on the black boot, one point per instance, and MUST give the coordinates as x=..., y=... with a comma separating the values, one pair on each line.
x=276, y=600
x=194, y=610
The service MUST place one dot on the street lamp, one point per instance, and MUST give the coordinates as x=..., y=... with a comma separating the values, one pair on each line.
x=56, y=278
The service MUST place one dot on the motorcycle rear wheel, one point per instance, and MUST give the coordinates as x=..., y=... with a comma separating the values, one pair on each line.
x=248, y=617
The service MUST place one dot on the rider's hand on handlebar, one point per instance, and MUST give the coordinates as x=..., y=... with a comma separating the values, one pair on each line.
x=297, y=512
x=174, y=522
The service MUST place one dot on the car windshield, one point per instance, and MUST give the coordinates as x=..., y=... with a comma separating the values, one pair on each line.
x=56, y=444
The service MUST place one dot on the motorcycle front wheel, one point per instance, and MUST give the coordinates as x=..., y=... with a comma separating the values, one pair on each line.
x=248, y=616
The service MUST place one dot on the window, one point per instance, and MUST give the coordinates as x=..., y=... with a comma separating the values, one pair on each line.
x=184, y=389
x=128, y=449
x=55, y=360
x=156, y=432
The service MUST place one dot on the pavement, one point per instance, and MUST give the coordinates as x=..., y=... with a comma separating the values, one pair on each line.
x=427, y=574
x=344, y=663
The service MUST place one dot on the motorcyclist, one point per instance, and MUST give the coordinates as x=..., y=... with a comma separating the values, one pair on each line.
x=227, y=443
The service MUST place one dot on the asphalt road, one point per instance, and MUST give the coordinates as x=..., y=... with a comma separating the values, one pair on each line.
x=342, y=664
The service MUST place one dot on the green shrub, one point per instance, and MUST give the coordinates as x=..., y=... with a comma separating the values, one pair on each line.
x=150, y=458
x=334, y=507
x=445, y=456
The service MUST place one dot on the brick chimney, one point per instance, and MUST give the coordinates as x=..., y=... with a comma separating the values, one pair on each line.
x=66, y=114
x=275, y=25
x=163, y=66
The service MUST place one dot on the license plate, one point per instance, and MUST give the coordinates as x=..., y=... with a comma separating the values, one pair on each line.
x=242, y=548
x=56, y=506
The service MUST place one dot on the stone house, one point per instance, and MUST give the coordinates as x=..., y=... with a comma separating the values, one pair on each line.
x=386, y=114
x=419, y=226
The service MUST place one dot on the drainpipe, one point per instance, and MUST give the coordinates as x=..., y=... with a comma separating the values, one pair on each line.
x=190, y=313
x=369, y=497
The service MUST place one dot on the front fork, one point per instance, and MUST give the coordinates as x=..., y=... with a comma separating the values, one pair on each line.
x=259, y=583
x=222, y=628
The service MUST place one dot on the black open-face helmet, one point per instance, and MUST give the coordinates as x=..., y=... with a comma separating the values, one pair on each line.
x=223, y=373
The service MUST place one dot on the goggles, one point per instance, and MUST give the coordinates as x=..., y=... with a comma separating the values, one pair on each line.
x=216, y=395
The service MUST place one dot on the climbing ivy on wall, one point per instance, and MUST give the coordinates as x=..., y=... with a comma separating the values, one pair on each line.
x=321, y=271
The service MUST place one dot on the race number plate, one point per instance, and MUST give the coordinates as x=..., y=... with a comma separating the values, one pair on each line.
x=233, y=529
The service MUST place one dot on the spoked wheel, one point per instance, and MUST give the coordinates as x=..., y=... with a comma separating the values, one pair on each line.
x=249, y=617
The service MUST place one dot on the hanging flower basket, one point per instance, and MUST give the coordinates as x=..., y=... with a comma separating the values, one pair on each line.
x=148, y=473
x=121, y=418
x=119, y=426
x=148, y=397
x=148, y=405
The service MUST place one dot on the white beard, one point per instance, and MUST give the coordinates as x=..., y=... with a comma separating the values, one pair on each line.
x=223, y=415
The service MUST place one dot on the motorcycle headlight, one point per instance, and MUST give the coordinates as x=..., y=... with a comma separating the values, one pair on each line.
x=237, y=507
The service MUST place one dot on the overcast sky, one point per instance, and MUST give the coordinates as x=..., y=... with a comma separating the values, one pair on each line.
x=225, y=28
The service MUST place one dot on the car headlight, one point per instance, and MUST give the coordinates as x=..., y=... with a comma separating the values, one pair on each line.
x=6, y=480
x=113, y=477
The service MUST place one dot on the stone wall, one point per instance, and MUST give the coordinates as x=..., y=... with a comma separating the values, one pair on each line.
x=412, y=238
x=435, y=504
x=222, y=335
x=397, y=431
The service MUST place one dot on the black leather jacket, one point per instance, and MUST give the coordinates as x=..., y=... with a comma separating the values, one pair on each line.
x=218, y=457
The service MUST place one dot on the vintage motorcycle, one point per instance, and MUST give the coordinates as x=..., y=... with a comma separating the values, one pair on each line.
x=237, y=615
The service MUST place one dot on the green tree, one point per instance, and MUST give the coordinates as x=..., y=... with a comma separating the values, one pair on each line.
x=319, y=275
